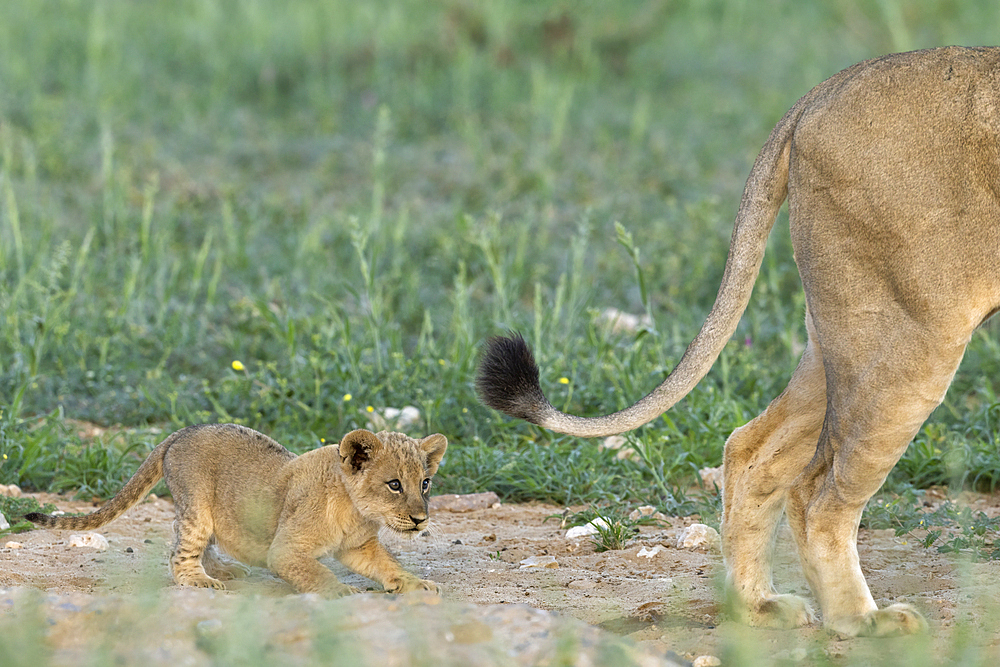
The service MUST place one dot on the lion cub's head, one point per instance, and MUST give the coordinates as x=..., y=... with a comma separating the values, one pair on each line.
x=388, y=476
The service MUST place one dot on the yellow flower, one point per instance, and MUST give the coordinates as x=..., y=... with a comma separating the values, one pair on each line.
x=563, y=380
x=370, y=409
x=323, y=440
x=465, y=410
x=237, y=365
x=347, y=397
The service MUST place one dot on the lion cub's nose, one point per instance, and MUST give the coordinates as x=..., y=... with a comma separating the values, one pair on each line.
x=418, y=520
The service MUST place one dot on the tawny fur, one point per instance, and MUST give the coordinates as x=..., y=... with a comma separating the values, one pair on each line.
x=892, y=174
x=240, y=492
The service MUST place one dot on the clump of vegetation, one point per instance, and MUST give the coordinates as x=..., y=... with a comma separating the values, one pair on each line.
x=949, y=527
x=14, y=508
x=613, y=532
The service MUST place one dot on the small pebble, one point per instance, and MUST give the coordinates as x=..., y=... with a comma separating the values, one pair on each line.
x=129, y=550
x=649, y=553
x=92, y=540
x=13, y=545
x=699, y=535
x=577, y=532
x=711, y=477
x=641, y=512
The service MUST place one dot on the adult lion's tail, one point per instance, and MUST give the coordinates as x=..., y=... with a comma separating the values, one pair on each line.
x=507, y=379
x=135, y=489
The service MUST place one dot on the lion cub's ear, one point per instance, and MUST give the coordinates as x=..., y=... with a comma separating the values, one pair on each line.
x=357, y=449
x=433, y=446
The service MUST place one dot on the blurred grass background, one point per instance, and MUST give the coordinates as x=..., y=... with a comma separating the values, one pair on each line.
x=348, y=197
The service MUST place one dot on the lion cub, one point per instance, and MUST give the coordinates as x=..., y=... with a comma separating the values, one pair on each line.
x=262, y=505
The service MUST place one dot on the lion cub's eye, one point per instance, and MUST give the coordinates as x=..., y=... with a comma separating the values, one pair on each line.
x=426, y=485
x=394, y=485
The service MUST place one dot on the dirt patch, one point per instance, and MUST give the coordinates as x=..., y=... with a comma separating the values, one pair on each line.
x=666, y=608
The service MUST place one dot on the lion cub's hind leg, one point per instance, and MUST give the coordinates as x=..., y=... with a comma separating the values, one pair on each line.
x=193, y=533
x=762, y=460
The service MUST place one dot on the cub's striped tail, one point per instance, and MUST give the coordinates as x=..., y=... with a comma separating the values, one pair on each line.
x=137, y=487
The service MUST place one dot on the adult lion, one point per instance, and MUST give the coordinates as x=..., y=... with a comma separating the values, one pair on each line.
x=892, y=173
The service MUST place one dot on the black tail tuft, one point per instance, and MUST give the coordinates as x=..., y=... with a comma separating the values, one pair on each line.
x=40, y=519
x=507, y=379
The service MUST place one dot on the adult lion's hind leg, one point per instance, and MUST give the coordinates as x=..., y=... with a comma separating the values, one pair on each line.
x=762, y=460
x=871, y=419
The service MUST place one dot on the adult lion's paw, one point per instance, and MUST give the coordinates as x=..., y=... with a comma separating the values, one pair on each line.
x=783, y=612
x=894, y=620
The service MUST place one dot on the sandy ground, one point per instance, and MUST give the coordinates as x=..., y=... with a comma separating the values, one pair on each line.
x=663, y=610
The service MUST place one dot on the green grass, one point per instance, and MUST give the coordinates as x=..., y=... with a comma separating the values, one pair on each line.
x=348, y=197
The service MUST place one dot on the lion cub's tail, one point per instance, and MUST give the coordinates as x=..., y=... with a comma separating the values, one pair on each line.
x=507, y=379
x=135, y=489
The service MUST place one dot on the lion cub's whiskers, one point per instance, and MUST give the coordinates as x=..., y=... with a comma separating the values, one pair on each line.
x=402, y=539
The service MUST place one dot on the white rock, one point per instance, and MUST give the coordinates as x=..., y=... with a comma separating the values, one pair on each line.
x=12, y=490
x=13, y=545
x=92, y=540
x=616, y=443
x=706, y=661
x=387, y=419
x=576, y=532
x=647, y=511
x=622, y=322
x=612, y=442
x=699, y=535
x=4, y=524
x=586, y=529
x=539, y=561
x=641, y=512
x=649, y=553
x=711, y=477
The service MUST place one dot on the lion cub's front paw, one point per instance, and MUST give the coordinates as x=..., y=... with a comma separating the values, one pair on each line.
x=200, y=582
x=411, y=584
x=338, y=590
